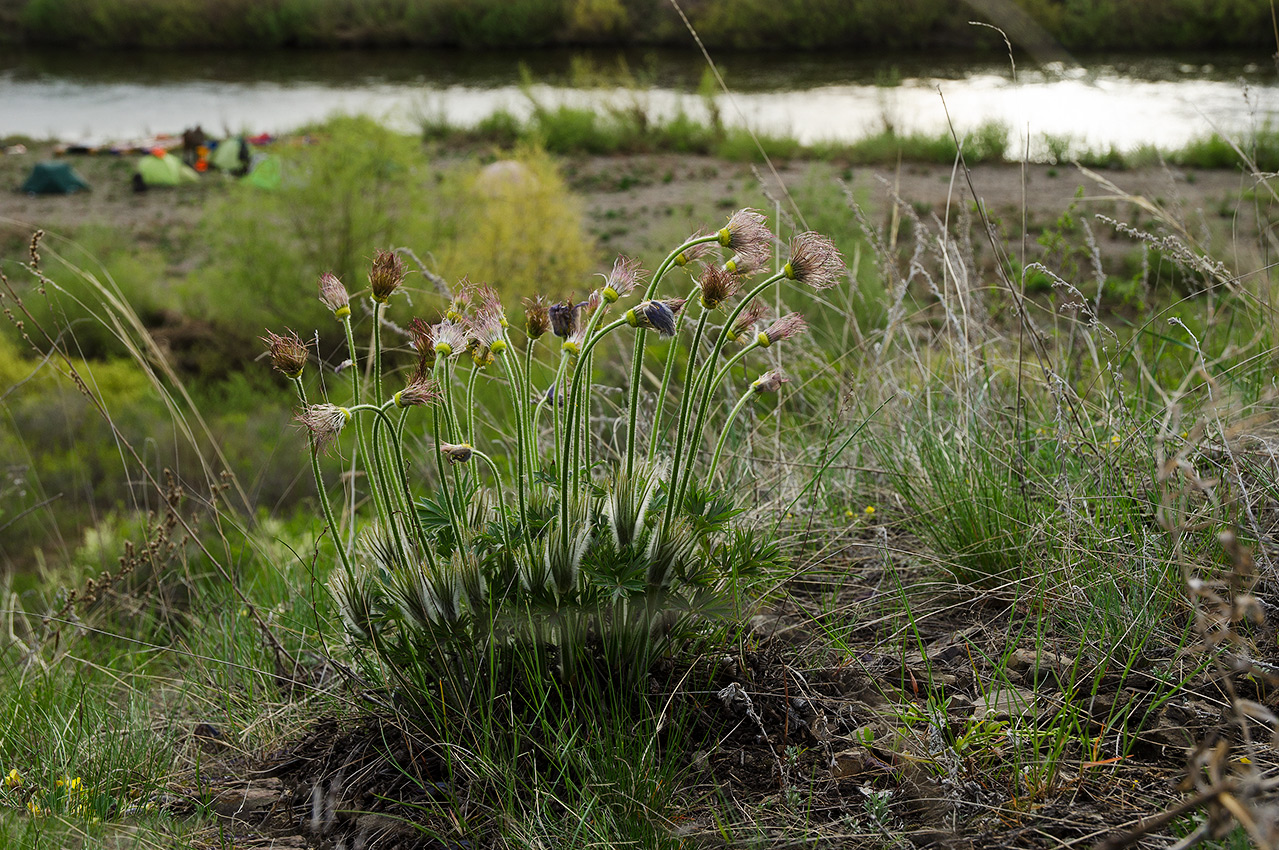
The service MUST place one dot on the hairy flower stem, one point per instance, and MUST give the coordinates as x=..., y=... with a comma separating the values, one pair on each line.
x=570, y=425
x=555, y=416
x=441, y=371
x=707, y=387
x=684, y=407
x=454, y=430
x=521, y=469
x=723, y=437
x=382, y=475
x=423, y=541
x=377, y=352
x=470, y=404
x=497, y=483
x=667, y=372
x=381, y=508
x=530, y=423
x=637, y=358
x=323, y=494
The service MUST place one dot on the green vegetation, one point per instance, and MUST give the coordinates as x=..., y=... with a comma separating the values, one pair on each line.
x=996, y=546
x=744, y=24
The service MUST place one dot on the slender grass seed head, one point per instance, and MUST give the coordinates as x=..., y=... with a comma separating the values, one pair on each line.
x=652, y=316
x=770, y=382
x=624, y=277
x=385, y=275
x=537, y=316
x=814, y=261
x=288, y=352
x=748, y=236
x=717, y=285
x=792, y=324
x=334, y=295
x=324, y=422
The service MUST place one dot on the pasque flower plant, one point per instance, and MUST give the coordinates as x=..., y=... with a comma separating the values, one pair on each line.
x=598, y=553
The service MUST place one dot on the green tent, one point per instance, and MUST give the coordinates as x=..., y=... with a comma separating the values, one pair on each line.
x=165, y=170
x=265, y=173
x=54, y=178
x=232, y=155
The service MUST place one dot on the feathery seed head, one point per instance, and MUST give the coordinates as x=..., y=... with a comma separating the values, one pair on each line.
x=814, y=260
x=693, y=252
x=288, y=353
x=747, y=235
x=456, y=452
x=334, y=295
x=717, y=285
x=419, y=390
x=324, y=422
x=652, y=316
x=421, y=336
x=624, y=277
x=676, y=304
x=537, y=317
x=746, y=320
x=792, y=324
x=450, y=338
x=385, y=275
x=770, y=382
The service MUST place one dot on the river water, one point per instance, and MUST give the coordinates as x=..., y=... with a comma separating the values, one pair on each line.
x=1098, y=102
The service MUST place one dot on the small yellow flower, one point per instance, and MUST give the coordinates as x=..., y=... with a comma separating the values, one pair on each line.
x=34, y=808
x=1245, y=760
x=849, y=513
x=1115, y=439
x=1185, y=435
x=13, y=779
x=1039, y=432
x=869, y=510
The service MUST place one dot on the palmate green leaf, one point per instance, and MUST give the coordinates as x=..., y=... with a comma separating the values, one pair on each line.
x=709, y=510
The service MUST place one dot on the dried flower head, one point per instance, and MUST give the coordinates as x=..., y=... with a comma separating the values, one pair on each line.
x=792, y=324
x=770, y=382
x=624, y=278
x=537, y=316
x=421, y=336
x=652, y=316
x=488, y=305
x=488, y=325
x=676, y=304
x=460, y=302
x=456, y=452
x=575, y=341
x=324, y=422
x=450, y=338
x=693, y=252
x=746, y=320
x=419, y=390
x=814, y=260
x=334, y=295
x=385, y=275
x=718, y=285
x=748, y=236
x=563, y=316
x=288, y=353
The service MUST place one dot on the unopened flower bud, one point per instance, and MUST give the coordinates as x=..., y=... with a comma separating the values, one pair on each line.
x=652, y=316
x=770, y=382
x=456, y=453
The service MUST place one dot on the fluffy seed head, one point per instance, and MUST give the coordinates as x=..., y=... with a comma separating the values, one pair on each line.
x=456, y=452
x=814, y=260
x=693, y=252
x=288, y=353
x=334, y=295
x=324, y=422
x=421, y=336
x=622, y=279
x=450, y=338
x=792, y=324
x=770, y=382
x=537, y=316
x=385, y=275
x=718, y=285
x=746, y=320
x=747, y=235
x=419, y=390
x=652, y=316
x=676, y=304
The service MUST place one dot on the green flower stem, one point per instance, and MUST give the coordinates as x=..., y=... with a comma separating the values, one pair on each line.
x=526, y=394
x=558, y=394
x=382, y=479
x=637, y=359
x=684, y=407
x=709, y=386
x=570, y=424
x=319, y=489
x=667, y=372
x=377, y=351
x=436, y=414
x=422, y=538
x=454, y=427
x=723, y=437
x=732, y=361
x=470, y=404
x=380, y=508
x=521, y=472
x=497, y=481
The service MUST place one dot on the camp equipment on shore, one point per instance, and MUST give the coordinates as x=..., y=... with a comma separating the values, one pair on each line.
x=54, y=178
x=162, y=169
